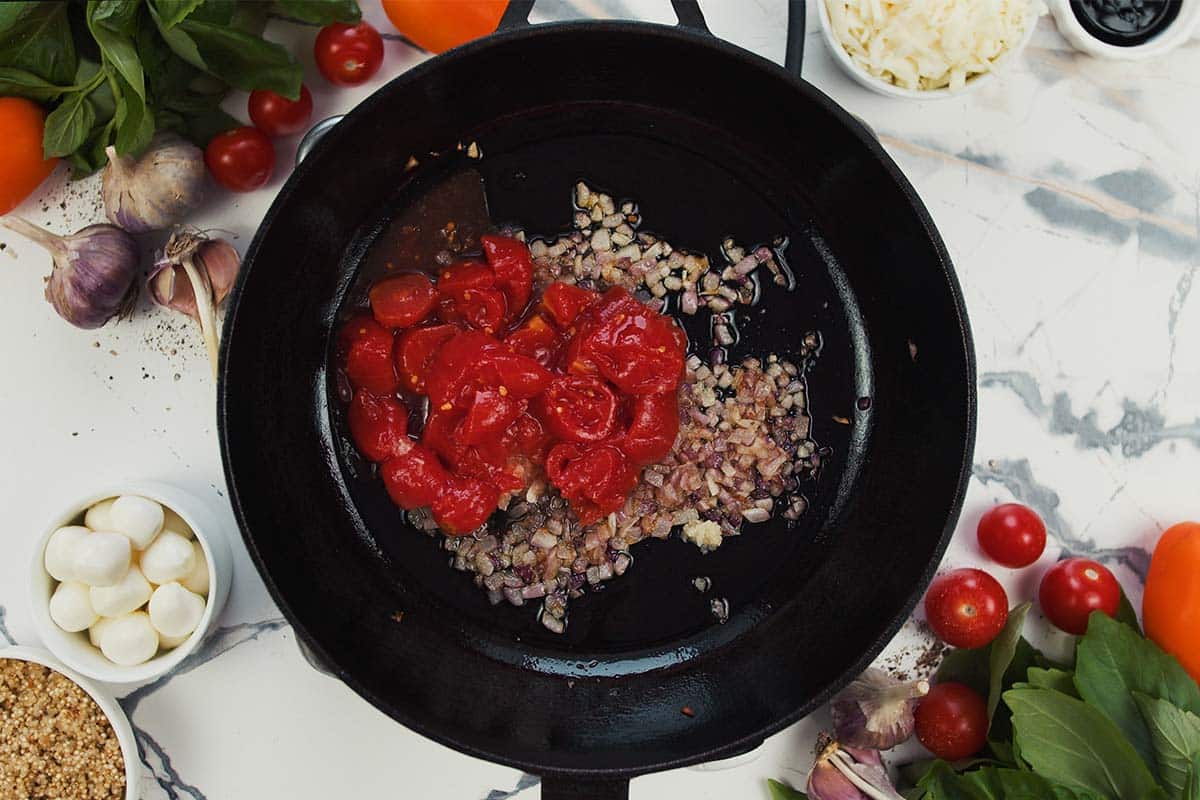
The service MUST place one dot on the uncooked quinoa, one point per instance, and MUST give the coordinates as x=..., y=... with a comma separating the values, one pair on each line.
x=743, y=449
x=55, y=742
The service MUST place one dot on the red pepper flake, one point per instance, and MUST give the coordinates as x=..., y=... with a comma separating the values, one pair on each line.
x=687, y=711
x=398, y=616
x=841, y=420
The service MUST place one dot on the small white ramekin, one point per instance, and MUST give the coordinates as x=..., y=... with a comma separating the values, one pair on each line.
x=889, y=89
x=108, y=704
x=74, y=649
x=1185, y=24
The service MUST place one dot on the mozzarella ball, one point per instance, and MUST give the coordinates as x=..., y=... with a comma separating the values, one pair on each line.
x=129, y=595
x=169, y=558
x=59, y=557
x=197, y=580
x=97, y=630
x=138, y=518
x=101, y=558
x=129, y=640
x=99, y=516
x=174, y=610
x=170, y=642
x=70, y=607
x=174, y=522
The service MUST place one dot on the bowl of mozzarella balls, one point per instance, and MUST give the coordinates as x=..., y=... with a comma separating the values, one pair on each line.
x=127, y=582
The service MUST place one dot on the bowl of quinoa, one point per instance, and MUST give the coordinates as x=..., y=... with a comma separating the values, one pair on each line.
x=60, y=735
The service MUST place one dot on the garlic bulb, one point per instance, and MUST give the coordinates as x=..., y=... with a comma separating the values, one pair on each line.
x=156, y=190
x=876, y=710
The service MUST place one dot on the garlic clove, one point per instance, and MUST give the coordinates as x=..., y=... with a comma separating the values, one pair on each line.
x=849, y=773
x=876, y=710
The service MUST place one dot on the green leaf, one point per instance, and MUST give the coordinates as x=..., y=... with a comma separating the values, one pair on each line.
x=1057, y=679
x=781, y=791
x=318, y=12
x=180, y=43
x=198, y=128
x=243, y=60
x=1127, y=614
x=113, y=24
x=994, y=783
x=1066, y=741
x=1003, y=649
x=1112, y=662
x=67, y=126
x=36, y=37
x=90, y=156
x=135, y=122
x=1191, y=791
x=218, y=12
x=1175, y=734
x=173, y=12
x=19, y=83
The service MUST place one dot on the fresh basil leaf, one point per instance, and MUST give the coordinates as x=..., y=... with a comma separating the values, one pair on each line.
x=1066, y=741
x=103, y=102
x=318, y=12
x=36, y=37
x=113, y=23
x=251, y=18
x=1127, y=614
x=90, y=156
x=1002, y=651
x=242, y=60
x=1112, y=662
x=781, y=791
x=200, y=127
x=1191, y=790
x=993, y=783
x=964, y=666
x=173, y=12
x=1056, y=679
x=67, y=126
x=19, y=83
x=135, y=122
x=1175, y=734
x=218, y=12
x=180, y=43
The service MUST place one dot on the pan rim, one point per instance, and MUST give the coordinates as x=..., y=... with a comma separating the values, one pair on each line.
x=810, y=93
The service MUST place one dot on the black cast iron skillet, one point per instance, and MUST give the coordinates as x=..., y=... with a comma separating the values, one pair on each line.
x=711, y=140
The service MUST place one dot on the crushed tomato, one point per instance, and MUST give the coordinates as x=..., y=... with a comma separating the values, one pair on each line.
x=583, y=386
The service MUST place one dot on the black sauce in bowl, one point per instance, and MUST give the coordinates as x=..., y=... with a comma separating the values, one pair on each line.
x=1125, y=23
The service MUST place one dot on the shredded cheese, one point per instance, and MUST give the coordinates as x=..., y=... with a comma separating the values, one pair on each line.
x=929, y=44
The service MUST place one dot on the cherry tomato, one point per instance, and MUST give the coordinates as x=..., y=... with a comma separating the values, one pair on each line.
x=415, y=351
x=486, y=460
x=438, y=26
x=536, y=338
x=966, y=607
x=653, y=429
x=348, y=55
x=634, y=347
x=366, y=347
x=379, y=426
x=460, y=276
x=21, y=161
x=414, y=479
x=464, y=504
x=1075, y=587
x=521, y=376
x=240, y=159
x=275, y=115
x=566, y=302
x=509, y=259
x=1012, y=534
x=526, y=436
x=453, y=373
x=952, y=721
x=402, y=301
x=1171, y=604
x=578, y=409
x=481, y=309
x=594, y=478
x=490, y=414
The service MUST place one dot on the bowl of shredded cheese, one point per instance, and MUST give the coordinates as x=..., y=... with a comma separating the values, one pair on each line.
x=925, y=49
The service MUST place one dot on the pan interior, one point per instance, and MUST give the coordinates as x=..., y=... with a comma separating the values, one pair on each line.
x=694, y=186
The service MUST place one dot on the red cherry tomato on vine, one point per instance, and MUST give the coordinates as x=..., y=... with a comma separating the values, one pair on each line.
x=966, y=607
x=275, y=115
x=1073, y=589
x=952, y=721
x=348, y=55
x=1012, y=534
x=241, y=159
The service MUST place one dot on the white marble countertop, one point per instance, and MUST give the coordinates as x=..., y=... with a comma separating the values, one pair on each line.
x=1069, y=196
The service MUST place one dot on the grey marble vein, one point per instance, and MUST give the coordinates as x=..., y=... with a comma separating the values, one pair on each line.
x=1017, y=477
x=4, y=628
x=526, y=781
x=1140, y=428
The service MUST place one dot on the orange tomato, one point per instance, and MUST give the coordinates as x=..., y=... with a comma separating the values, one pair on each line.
x=21, y=162
x=1171, y=605
x=438, y=25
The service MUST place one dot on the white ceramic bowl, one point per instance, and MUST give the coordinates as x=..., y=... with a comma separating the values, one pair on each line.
x=1179, y=31
x=74, y=649
x=116, y=717
x=883, y=87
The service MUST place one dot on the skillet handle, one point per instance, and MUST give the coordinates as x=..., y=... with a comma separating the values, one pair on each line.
x=690, y=16
x=584, y=789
